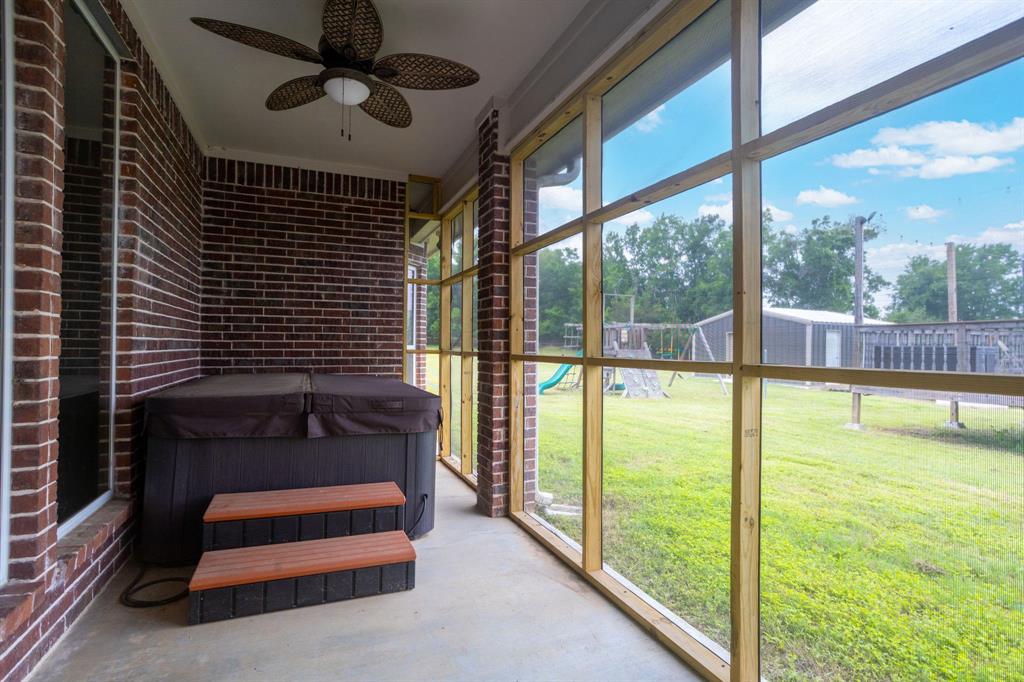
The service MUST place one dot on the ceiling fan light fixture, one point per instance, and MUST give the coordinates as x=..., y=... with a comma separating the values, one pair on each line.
x=346, y=87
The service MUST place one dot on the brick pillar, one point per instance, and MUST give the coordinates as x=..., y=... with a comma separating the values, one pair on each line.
x=39, y=160
x=493, y=376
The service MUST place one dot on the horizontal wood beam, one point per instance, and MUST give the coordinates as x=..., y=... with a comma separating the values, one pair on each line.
x=971, y=59
x=952, y=382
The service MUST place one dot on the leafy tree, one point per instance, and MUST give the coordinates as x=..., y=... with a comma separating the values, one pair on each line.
x=560, y=292
x=677, y=270
x=989, y=286
x=814, y=268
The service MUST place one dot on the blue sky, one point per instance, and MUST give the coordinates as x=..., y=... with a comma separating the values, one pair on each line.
x=949, y=167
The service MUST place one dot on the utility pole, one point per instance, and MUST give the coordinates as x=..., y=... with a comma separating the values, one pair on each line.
x=858, y=315
x=960, y=336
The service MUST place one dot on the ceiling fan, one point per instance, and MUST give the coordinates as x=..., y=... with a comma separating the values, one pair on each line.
x=352, y=35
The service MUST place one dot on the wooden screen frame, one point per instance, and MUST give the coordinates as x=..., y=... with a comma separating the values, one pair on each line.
x=463, y=206
x=749, y=148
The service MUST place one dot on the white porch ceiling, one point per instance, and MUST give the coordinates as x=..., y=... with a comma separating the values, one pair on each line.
x=221, y=85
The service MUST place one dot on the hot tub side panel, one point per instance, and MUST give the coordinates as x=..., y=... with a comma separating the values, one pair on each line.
x=183, y=475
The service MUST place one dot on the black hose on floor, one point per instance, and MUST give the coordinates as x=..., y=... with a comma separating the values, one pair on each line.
x=134, y=587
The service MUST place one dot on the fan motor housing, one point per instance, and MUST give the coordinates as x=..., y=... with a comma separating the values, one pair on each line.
x=332, y=59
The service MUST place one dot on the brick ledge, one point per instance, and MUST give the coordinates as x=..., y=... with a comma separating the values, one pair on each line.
x=19, y=600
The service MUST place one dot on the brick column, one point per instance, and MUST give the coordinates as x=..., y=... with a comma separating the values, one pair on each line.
x=39, y=159
x=493, y=376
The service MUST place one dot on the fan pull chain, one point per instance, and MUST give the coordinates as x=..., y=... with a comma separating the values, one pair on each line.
x=343, y=110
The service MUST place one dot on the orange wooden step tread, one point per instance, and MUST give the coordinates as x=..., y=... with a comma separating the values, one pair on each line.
x=245, y=565
x=295, y=501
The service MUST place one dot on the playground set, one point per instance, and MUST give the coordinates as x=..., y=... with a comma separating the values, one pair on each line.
x=662, y=341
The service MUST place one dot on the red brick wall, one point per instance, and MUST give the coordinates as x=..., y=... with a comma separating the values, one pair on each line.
x=159, y=249
x=493, y=376
x=158, y=269
x=302, y=270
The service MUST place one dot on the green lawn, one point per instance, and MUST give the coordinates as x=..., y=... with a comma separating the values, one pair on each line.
x=894, y=553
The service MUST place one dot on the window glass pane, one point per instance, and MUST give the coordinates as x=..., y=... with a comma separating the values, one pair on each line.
x=553, y=182
x=666, y=496
x=475, y=414
x=457, y=243
x=667, y=277
x=815, y=54
x=475, y=312
x=553, y=298
x=649, y=118
x=455, y=412
x=87, y=253
x=941, y=170
x=425, y=330
x=456, y=317
x=476, y=231
x=896, y=551
x=422, y=372
x=553, y=447
x=425, y=249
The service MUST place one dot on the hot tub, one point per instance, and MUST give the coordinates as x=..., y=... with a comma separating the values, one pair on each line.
x=242, y=433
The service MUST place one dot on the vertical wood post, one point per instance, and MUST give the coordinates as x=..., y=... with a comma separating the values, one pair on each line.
x=959, y=333
x=746, y=440
x=468, y=439
x=593, y=338
x=515, y=342
x=444, y=362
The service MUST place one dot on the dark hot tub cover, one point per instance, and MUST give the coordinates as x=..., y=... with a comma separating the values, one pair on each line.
x=231, y=406
x=344, y=405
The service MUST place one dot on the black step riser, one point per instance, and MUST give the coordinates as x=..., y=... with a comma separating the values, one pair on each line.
x=207, y=606
x=253, y=532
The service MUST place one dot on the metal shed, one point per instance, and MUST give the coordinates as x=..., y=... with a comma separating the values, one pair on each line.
x=791, y=336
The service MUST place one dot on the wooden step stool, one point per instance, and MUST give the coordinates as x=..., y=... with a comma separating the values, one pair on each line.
x=246, y=581
x=272, y=516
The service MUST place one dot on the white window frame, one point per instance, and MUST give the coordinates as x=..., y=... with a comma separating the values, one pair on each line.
x=7, y=287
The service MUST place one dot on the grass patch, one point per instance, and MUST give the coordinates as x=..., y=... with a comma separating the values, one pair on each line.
x=893, y=553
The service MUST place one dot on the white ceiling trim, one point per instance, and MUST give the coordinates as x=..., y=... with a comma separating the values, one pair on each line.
x=309, y=164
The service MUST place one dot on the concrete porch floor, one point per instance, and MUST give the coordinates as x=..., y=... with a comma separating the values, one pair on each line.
x=490, y=604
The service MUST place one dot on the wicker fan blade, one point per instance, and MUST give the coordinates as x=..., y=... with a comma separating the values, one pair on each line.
x=261, y=40
x=388, y=106
x=353, y=28
x=424, y=72
x=295, y=93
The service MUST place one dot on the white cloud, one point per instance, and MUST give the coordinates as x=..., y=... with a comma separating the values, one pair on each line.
x=824, y=196
x=639, y=217
x=1010, y=233
x=723, y=211
x=890, y=155
x=949, y=166
x=779, y=213
x=652, y=120
x=924, y=212
x=790, y=229
x=562, y=197
x=957, y=138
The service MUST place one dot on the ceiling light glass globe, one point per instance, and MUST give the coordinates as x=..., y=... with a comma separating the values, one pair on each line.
x=347, y=91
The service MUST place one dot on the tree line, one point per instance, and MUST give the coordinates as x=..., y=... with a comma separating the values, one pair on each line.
x=680, y=271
